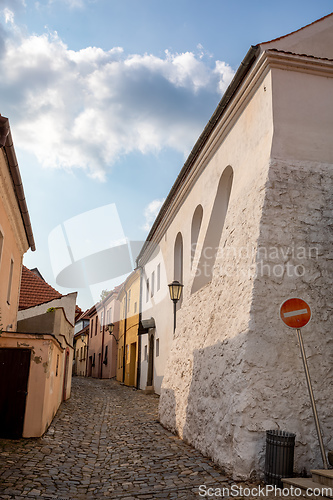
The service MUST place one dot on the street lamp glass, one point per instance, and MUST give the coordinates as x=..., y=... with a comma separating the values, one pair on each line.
x=111, y=327
x=175, y=289
x=82, y=337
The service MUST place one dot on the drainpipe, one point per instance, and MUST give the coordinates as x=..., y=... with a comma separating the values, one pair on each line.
x=125, y=327
x=87, y=357
x=102, y=346
x=138, y=374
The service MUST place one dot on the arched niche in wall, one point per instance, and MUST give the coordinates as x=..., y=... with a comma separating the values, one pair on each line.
x=195, y=230
x=178, y=262
x=204, y=271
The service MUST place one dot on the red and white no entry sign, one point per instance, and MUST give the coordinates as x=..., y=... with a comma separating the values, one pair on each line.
x=295, y=312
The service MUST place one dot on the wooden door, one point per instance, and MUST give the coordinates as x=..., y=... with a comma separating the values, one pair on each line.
x=64, y=390
x=132, y=365
x=150, y=377
x=14, y=376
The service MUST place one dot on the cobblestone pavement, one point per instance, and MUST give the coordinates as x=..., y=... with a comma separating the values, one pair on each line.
x=105, y=442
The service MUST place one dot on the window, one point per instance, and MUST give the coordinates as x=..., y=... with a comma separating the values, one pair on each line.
x=96, y=325
x=147, y=290
x=10, y=281
x=135, y=307
x=195, y=229
x=129, y=301
x=146, y=353
x=91, y=328
x=157, y=347
x=178, y=259
x=81, y=357
x=84, y=352
x=102, y=320
x=121, y=352
x=204, y=271
x=152, y=283
x=106, y=355
x=178, y=263
x=158, y=277
x=108, y=316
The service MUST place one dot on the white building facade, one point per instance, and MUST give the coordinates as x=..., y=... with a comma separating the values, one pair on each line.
x=248, y=224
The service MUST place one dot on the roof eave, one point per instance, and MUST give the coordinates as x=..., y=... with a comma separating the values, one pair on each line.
x=8, y=145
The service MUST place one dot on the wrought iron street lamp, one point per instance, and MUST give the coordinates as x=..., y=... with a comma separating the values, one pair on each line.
x=110, y=327
x=175, y=289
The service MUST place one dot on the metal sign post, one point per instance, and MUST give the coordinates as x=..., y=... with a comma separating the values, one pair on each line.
x=296, y=313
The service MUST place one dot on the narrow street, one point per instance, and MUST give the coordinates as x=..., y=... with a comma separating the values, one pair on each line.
x=105, y=442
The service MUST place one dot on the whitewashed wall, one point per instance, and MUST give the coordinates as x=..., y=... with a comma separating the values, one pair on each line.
x=234, y=370
x=67, y=302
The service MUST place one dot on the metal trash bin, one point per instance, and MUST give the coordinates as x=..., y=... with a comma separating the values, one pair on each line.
x=279, y=460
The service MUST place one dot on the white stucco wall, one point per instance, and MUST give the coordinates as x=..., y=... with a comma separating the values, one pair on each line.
x=234, y=370
x=202, y=384
x=315, y=39
x=246, y=155
x=67, y=302
x=158, y=306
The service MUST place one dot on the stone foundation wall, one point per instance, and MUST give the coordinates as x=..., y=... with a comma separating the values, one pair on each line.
x=235, y=369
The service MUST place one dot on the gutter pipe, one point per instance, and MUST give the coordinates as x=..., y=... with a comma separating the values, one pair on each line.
x=125, y=327
x=6, y=142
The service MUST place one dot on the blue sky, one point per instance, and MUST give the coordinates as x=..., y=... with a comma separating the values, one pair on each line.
x=106, y=98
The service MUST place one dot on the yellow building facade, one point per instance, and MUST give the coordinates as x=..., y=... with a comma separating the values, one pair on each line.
x=80, y=353
x=128, y=344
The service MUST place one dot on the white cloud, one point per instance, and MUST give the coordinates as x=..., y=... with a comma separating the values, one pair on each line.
x=85, y=109
x=225, y=73
x=71, y=3
x=9, y=16
x=150, y=213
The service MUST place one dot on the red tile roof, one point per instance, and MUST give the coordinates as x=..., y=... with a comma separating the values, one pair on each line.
x=82, y=315
x=78, y=313
x=34, y=290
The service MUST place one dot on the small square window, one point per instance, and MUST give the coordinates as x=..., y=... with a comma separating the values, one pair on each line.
x=147, y=290
x=152, y=286
x=158, y=277
x=157, y=347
